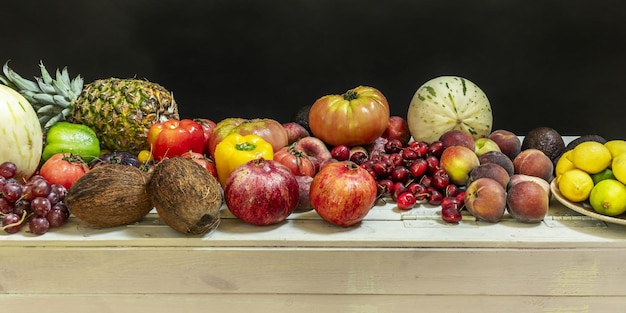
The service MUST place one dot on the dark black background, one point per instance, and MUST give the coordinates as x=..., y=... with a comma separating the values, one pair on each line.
x=541, y=63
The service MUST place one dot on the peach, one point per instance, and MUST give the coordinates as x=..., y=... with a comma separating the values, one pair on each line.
x=295, y=132
x=397, y=128
x=518, y=178
x=490, y=170
x=534, y=162
x=509, y=142
x=485, y=199
x=499, y=158
x=314, y=148
x=457, y=137
x=528, y=202
x=458, y=162
x=484, y=145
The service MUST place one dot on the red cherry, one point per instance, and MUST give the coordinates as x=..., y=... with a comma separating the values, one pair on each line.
x=398, y=189
x=406, y=200
x=433, y=163
x=400, y=174
x=420, y=147
x=393, y=146
x=340, y=152
x=418, y=168
x=385, y=187
x=435, y=196
x=435, y=148
x=441, y=179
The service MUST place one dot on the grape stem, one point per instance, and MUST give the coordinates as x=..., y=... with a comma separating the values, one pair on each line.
x=18, y=223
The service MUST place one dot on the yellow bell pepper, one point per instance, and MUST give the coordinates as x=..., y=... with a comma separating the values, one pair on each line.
x=236, y=150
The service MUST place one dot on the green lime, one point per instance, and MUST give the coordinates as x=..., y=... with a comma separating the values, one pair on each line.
x=607, y=173
x=608, y=197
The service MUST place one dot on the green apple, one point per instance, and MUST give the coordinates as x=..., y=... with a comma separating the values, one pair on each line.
x=484, y=145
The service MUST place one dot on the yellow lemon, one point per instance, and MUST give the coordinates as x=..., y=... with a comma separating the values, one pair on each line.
x=591, y=157
x=608, y=197
x=618, y=166
x=564, y=164
x=575, y=185
x=616, y=146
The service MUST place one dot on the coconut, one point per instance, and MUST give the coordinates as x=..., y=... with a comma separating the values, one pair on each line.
x=186, y=196
x=110, y=195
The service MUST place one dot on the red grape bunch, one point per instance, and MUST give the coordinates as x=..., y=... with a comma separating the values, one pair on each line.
x=34, y=202
x=410, y=175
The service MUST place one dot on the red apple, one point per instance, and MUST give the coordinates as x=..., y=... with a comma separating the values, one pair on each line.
x=261, y=192
x=398, y=128
x=508, y=142
x=295, y=131
x=458, y=162
x=457, y=137
x=342, y=193
x=485, y=199
x=271, y=130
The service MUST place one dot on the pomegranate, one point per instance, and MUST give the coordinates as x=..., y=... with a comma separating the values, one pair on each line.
x=261, y=192
x=343, y=193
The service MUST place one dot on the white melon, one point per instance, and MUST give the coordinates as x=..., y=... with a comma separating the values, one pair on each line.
x=445, y=103
x=21, y=138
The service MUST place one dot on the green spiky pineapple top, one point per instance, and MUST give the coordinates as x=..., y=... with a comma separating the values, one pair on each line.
x=120, y=111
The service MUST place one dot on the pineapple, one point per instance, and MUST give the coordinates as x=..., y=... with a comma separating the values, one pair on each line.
x=120, y=111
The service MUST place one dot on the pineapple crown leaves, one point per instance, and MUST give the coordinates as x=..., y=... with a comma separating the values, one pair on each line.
x=51, y=98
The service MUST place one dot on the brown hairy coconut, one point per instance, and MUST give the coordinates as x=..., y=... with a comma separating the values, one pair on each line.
x=186, y=196
x=110, y=195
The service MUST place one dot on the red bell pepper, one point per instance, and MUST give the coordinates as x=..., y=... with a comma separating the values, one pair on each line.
x=175, y=137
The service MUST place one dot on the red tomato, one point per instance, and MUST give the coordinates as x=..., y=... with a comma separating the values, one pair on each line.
x=297, y=161
x=175, y=137
x=202, y=160
x=63, y=169
x=358, y=117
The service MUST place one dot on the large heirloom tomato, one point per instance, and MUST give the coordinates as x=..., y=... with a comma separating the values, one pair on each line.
x=270, y=130
x=357, y=117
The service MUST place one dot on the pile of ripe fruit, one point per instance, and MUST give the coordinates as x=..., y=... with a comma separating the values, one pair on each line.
x=338, y=157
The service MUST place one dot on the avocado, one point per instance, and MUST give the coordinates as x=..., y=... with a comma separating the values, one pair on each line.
x=546, y=139
x=582, y=139
x=302, y=117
